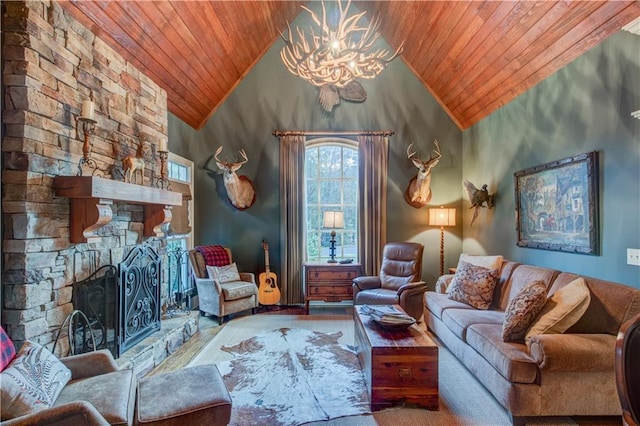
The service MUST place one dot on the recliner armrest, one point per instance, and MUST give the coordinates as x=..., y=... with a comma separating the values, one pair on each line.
x=78, y=413
x=413, y=288
x=90, y=364
x=366, y=283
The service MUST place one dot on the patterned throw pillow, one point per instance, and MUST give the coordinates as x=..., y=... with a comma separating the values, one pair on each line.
x=522, y=310
x=473, y=285
x=32, y=382
x=224, y=274
x=563, y=309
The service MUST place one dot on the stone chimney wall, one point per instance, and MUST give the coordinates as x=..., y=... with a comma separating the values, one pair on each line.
x=51, y=64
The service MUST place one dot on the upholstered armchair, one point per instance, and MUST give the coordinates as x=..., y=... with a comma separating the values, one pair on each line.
x=98, y=394
x=398, y=282
x=220, y=298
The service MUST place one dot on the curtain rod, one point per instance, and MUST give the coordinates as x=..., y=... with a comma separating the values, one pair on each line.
x=279, y=133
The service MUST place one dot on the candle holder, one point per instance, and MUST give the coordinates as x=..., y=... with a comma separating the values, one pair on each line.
x=88, y=129
x=163, y=182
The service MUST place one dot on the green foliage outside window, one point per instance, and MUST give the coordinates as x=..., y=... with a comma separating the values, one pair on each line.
x=331, y=172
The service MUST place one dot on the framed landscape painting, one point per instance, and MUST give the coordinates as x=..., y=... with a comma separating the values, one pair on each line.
x=557, y=205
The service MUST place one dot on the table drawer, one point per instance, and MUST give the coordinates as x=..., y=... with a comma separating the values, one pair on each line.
x=325, y=275
x=330, y=290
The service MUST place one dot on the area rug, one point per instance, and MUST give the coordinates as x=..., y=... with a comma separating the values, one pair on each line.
x=293, y=376
x=463, y=400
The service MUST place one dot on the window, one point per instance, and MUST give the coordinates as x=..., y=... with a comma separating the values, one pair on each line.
x=180, y=238
x=331, y=184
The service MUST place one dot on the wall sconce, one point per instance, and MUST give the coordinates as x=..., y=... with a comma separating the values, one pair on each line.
x=442, y=217
x=88, y=122
x=333, y=221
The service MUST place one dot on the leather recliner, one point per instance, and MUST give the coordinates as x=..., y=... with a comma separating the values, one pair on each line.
x=399, y=281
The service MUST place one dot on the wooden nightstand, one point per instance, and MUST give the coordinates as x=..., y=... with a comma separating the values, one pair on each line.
x=329, y=282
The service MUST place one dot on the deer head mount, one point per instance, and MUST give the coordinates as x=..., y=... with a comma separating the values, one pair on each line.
x=418, y=192
x=240, y=189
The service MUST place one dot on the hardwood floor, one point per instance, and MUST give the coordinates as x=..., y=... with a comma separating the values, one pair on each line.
x=208, y=328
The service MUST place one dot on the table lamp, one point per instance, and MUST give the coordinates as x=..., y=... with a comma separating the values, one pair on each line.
x=442, y=217
x=333, y=220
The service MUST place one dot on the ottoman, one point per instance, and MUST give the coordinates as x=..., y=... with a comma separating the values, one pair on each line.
x=190, y=396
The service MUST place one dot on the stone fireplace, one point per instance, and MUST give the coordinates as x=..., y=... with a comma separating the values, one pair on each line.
x=51, y=64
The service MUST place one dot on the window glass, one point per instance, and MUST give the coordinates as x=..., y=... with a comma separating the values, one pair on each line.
x=331, y=184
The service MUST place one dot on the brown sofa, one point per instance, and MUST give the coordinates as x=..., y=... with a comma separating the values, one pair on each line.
x=569, y=374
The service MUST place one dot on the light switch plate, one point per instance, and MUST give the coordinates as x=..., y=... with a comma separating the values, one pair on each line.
x=633, y=256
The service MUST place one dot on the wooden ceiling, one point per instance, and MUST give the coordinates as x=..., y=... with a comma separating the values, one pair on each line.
x=473, y=56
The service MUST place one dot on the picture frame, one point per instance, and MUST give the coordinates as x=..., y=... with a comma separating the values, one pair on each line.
x=557, y=206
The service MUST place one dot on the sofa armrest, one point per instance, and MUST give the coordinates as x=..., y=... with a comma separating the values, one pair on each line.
x=80, y=413
x=443, y=283
x=573, y=352
x=90, y=364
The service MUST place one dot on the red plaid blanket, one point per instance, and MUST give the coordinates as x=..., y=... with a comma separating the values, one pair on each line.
x=214, y=255
x=7, y=350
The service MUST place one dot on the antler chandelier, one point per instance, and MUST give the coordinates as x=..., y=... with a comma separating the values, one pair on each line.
x=332, y=58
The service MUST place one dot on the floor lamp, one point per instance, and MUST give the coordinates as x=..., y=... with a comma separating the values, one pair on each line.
x=442, y=217
x=333, y=221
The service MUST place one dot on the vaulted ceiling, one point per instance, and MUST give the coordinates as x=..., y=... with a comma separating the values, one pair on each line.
x=473, y=56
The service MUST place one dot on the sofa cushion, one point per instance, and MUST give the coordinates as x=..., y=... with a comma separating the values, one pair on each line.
x=563, y=309
x=489, y=262
x=611, y=304
x=238, y=290
x=522, y=310
x=520, y=277
x=32, y=382
x=473, y=285
x=510, y=359
x=458, y=320
x=436, y=303
x=224, y=274
x=112, y=394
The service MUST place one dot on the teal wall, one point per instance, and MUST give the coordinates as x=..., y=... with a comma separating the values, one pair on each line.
x=270, y=98
x=584, y=107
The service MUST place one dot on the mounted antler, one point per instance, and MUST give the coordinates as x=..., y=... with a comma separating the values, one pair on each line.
x=239, y=188
x=418, y=192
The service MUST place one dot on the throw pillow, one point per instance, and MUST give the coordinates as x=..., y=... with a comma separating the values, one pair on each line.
x=473, y=285
x=7, y=350
x=563, y=309
x=224, y=274
x=32, y=382
x=489, y=262
x=522, y=310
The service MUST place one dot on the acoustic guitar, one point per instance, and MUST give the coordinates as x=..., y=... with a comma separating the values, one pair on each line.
x=268, y=291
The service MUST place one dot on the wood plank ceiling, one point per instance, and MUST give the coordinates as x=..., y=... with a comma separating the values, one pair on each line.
x=473, y=56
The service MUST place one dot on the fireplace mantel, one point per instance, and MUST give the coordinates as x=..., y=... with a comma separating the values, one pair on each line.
x=91, y=198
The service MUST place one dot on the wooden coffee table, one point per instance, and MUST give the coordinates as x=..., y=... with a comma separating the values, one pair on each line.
x=399, y=365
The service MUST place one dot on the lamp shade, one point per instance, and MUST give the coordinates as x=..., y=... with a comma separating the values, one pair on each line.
x=442, y=217
x=333, y=220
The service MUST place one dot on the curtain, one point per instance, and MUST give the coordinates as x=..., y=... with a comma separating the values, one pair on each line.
x=373, y=151
x=292, y=224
